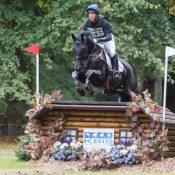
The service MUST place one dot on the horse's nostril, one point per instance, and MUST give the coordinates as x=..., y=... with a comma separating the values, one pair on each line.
x=77, y=68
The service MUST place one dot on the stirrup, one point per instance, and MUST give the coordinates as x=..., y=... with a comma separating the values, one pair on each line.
x=117, y=75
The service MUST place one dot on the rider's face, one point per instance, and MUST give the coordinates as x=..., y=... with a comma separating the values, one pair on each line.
x=92, y=16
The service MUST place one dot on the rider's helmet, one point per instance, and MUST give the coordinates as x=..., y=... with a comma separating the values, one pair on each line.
x=93, y=8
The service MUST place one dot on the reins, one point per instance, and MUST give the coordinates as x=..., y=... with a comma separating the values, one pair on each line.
x=90, y=57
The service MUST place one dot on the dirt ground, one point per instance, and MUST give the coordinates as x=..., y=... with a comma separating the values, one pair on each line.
x=67, y=168
x=167, y=167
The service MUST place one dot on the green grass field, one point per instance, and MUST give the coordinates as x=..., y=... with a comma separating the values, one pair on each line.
x=8, y=159
x=9, y=165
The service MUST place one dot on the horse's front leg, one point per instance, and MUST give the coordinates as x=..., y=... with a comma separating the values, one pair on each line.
x=78, y=87
x=88, y=74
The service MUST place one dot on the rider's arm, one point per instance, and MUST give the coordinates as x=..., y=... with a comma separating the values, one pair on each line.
x=107, y=32
x=108, y=37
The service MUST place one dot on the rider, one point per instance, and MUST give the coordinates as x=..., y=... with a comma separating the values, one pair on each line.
x=101, y=32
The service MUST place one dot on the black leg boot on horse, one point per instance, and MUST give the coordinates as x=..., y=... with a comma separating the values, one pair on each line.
x=115, y=66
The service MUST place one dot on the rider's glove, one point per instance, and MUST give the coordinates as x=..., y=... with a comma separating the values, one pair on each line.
x=95, y=40
x=99, y=40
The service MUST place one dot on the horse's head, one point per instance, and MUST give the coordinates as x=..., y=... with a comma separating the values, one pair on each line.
x=81, y=50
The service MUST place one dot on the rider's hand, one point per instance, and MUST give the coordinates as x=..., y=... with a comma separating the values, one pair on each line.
x=95, y=40
x=99, y=40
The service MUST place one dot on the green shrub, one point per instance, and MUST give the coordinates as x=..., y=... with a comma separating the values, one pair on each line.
x=22, y=141
x=21, y=155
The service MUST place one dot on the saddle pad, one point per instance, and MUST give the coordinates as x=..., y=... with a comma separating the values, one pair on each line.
x=121, y=67
x=101, y=45
x=108, y=60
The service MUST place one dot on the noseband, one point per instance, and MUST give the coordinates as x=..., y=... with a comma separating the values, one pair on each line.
x=89, y=57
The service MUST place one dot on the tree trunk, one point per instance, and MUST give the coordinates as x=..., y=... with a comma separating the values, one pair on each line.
x=15, y=117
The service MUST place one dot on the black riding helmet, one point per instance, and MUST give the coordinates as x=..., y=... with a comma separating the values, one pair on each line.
x=93, y=8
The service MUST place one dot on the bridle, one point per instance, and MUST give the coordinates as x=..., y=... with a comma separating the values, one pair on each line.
x=85, y=55
x=88, y=57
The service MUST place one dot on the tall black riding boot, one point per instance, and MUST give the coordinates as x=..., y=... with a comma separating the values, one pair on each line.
x=115, y=67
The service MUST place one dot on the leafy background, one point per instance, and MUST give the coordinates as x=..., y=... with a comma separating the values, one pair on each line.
x=142, y=29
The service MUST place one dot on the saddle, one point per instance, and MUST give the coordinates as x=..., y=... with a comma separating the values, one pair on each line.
x=108, y=60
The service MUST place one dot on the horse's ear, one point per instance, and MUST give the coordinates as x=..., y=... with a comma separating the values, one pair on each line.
x=74, y=37
x=82, y=37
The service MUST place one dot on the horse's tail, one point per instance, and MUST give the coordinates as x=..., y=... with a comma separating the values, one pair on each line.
x=131, y=79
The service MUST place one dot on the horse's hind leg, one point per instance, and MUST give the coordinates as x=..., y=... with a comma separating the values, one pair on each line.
x=125, y=97
x=79, y=89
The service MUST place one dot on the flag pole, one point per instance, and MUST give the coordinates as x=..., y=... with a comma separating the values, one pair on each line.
x=168, y=52
x=165, y=92
x=37, y=80
x=164, y=100
x=35, y=49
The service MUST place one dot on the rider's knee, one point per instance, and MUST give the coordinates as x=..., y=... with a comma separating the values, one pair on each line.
x=111, y=53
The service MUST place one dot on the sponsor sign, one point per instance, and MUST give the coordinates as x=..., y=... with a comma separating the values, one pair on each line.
x=97, y=138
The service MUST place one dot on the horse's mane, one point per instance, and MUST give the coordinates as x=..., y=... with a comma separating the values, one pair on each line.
x=86, y=34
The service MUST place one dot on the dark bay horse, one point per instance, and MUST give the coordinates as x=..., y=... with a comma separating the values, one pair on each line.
x=91, y=69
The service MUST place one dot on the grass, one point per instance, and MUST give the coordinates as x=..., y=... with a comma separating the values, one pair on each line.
x=8, y=159
x=9, y=164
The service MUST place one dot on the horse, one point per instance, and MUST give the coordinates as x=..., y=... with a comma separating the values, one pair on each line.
x=91, y=70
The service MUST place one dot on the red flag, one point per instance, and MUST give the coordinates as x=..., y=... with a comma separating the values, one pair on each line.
x=33, y=49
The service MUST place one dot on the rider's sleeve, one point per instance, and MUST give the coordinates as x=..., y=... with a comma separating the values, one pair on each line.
x=106, y=38
x=107, y=28
x=107, y=32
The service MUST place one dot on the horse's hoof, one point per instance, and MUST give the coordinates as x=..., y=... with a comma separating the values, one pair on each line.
x=87, y=88
x=108, y=92
x=81, y=92
x=105, y=92
x=90, y=92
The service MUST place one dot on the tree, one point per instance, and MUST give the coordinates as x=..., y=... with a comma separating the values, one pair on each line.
x=142, y=29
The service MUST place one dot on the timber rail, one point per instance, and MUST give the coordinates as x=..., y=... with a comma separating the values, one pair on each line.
x=83, y=106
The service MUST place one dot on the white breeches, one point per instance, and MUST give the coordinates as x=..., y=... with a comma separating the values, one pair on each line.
x=109, y=46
